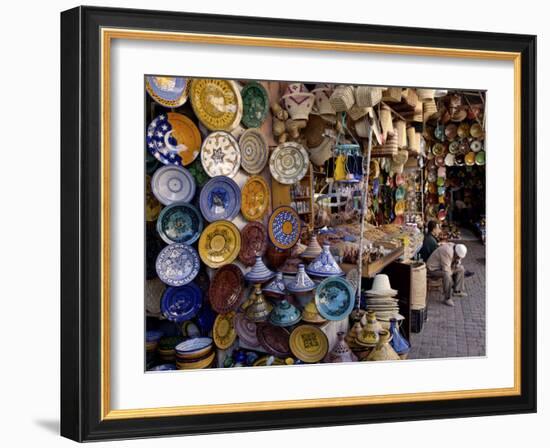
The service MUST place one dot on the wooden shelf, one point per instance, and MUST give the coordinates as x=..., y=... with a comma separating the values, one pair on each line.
x=371, y=269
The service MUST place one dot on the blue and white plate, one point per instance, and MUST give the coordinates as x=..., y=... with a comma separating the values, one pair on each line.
x=177, y=264
x=180, y=223
x=168, y=91
x=193, y=345
x=181, y=303
x=173, y=183
x=220, y=199
x=334, y=298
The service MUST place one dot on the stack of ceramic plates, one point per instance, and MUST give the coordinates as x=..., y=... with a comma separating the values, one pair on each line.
x=167, y=348
x=381, y=299
x=152, y=339
x=195, y=353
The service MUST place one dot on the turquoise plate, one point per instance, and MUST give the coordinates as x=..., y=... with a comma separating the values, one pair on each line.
x=334, y=298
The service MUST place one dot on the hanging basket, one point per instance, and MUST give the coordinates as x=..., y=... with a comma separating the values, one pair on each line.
x=342, y=99
x=368, y=96
x=392, y=95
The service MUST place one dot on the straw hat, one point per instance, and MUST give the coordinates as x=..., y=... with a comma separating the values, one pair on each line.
x=381, y=287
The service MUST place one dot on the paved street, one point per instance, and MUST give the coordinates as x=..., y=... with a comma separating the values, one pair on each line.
x=459, y=330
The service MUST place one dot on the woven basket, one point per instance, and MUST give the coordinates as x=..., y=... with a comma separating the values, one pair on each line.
x=425, y=94
x=429, y=109
x=392, y=95
x=418, y=286
x=418, y=115
x=388, y=149
x=368, y=96
x=386, y=121
x=400, y=127
x=410, y=97
x=342, y=99
x=411, y=139
x=357, y=112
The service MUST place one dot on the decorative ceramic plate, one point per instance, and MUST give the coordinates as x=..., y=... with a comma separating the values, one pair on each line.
x=180, y=223
x=255, y=198
x=334, y=298
x=476, y=146
x=219, y=244
x=220, y=155
x=284, y=227
x=224, y=331
x=246, y=330
x=217, y=103
x=438, y=149
x=453, y=147
x=191, y=346
x=205, y=318
x=173, y=139
x=253, y=242
x=177, y=264
x=173, y=184
x=254, y=151
x=181, y=303
x=220, y=199
x=273, y=339
x=255, y=104
x=226, y=289
x=400, y=193
x=480, y=158
x=308, y=343
x=289, y=163
x=168, y=91
x=152, y=205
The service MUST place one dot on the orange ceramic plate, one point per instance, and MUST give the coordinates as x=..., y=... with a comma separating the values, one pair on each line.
x=255, y=198
x=187, y=136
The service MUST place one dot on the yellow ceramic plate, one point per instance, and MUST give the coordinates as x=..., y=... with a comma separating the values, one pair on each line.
x=255, y=198
x=219, y=244
x=470, y=158
x=187, y=135
x=152, y=205
x=224, y=331
x=217, y=103
x=200, y=364
x=308, y=343
x=400, y=208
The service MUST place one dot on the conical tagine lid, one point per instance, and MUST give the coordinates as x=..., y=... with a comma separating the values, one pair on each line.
x=324, y=265
x=259, y=273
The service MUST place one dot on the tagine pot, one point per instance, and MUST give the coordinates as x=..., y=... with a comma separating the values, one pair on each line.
x=341, y=351
x=284, y=314
x=383, y=350
x=276, y=288
x=313, y=249
x=259, y=273
x=259, y=308
x=324, y=265
x=301, y=283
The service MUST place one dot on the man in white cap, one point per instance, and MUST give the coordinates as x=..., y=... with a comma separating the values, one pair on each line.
x=444, y=262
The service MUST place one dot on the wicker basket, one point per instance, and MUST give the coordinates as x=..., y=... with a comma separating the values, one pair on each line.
x=425, y=94
x=410, y=97
x=418, y=286
x=357, y=112
x=411, y=140
x=429, y=109
x=418, y=113
x=392, y=95
x=385, y=120
x=342, y=99
x=388, y=149
x=368, y=96
x=400, y=127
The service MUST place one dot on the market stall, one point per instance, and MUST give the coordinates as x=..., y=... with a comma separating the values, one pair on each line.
x=276, y=216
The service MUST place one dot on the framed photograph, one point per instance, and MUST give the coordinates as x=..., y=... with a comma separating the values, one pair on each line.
x=277, y=224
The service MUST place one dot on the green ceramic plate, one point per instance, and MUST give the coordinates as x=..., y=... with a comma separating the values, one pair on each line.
x=255, y=105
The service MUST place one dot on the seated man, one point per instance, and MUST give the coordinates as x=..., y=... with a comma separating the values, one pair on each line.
x=444, y=263
x=430, y=240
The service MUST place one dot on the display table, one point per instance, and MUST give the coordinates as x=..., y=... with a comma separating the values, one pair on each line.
x=375, y=267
